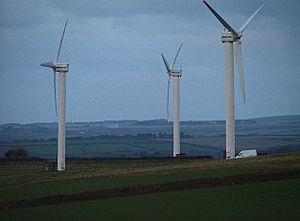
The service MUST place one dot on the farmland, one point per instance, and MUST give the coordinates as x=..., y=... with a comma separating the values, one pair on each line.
x=264, y=201
x=123, y=169
x=101, y=186
x=138, y=139
x=277, y=125
x=121, y=147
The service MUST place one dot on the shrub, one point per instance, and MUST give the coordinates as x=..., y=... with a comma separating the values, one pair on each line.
x=16, y=153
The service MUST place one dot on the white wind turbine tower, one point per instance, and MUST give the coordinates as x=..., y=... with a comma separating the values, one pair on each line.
x=61, y=69
x=175, y=74
x=229, y=36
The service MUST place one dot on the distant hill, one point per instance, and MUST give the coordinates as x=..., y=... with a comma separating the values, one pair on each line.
x=286, y=119
x=276, y=125
x=273, y=119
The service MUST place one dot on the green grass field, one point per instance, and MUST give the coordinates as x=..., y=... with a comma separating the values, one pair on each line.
x=100, y=147
x=133, y=147
x=270, y=200
x=264, y=201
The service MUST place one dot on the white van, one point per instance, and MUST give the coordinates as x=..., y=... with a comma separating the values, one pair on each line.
x=247, y=153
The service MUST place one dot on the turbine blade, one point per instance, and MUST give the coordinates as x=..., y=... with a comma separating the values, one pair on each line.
x=239, y=63
x=224, y=23
x=173, y=63
x=168, y=99
x=48, y=65
x=244, y=26
x=61, y=41
x=166, y=63
x=54, y=84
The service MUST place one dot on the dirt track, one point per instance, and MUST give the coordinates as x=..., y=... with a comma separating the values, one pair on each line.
x=154, y=188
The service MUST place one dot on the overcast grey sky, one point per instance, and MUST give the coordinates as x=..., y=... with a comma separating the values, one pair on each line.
x=116, y=72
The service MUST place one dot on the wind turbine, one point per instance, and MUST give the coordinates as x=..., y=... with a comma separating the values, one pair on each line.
x=62, y=69
x=229, y=36
x=175, y=74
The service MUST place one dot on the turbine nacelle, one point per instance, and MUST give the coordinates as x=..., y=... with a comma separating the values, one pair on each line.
x=62, y=67
x=174, y=73
x=57, y=67
x=228, y=36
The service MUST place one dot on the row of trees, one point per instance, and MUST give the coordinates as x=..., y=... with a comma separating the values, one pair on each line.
x=144, y=136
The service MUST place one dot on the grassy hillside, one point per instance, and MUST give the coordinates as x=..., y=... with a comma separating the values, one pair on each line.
x=267, y=185
x=263, y=201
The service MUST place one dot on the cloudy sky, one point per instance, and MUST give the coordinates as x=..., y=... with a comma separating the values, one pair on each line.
x=116, y=72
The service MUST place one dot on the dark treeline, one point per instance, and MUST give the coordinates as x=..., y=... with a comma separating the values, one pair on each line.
x=141, y=136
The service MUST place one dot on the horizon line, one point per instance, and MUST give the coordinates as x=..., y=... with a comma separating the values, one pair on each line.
x=91, y=121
